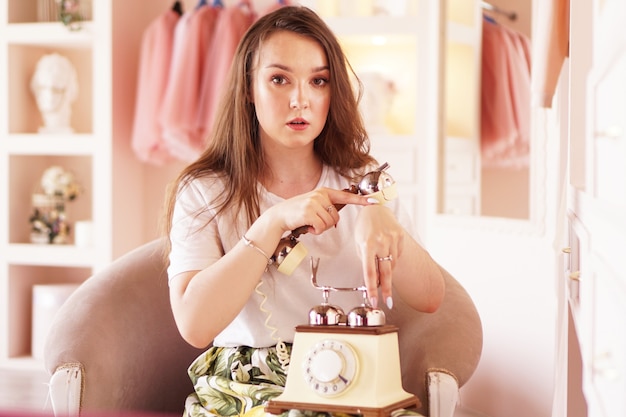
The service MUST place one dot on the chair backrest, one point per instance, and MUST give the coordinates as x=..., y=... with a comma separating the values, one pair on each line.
x=119, y=325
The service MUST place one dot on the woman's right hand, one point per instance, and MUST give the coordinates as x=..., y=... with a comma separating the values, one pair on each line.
x=317, y=210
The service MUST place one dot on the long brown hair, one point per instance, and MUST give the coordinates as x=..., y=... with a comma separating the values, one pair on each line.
x=234, y=151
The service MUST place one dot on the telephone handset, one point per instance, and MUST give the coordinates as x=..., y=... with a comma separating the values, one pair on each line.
x=376, y=184
x=346, y=364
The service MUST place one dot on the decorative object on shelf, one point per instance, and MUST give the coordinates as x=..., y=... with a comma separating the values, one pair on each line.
x=48, y=222
x=356, y=8
x=395, y=8
x=378, y=94
x=47, y=10
x=47, y=300
x=71, y=13
x=55, y=87
x=83, y=233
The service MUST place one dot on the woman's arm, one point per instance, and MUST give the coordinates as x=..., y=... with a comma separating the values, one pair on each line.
x=391, y=256
x=205, y=302
x=221, y=290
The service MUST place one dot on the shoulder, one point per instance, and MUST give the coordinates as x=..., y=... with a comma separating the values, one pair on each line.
x=203, y=190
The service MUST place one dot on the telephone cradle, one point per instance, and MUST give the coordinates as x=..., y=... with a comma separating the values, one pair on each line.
x=347, y=369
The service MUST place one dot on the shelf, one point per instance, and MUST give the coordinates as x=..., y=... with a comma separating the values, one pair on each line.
x=391, y=139
x=49, y=33
x=50, y=255
x=23, y=363
x=42, y=144
x=464, y=34
x=374, y=25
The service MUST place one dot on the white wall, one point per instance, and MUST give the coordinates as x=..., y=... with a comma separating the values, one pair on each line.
x=511, y=279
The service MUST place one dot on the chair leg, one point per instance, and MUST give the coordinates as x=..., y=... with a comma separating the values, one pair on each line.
x=443, y=393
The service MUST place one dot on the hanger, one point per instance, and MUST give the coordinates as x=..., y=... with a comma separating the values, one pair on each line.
x=201, y=3
x=218, y=3
x=178, y=7
x=488, y=6
x=489, y=19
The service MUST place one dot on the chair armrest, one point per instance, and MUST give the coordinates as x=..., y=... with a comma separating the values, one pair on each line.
x=118, y=324
x=449, y=339
x=66, y=390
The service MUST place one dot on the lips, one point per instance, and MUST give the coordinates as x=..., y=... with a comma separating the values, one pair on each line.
x=298, y=124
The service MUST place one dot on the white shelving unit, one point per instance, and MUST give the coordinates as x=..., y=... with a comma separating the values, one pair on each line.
x=460, y=166
x=98, y=153
x=593, y=281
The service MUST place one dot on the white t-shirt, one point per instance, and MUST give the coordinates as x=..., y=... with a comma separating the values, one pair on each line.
x=285, y=300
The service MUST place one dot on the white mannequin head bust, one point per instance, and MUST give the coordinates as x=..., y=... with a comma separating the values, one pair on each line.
x=55, y=86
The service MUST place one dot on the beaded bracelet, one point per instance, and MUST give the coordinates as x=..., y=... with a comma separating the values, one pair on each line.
x=251, y=244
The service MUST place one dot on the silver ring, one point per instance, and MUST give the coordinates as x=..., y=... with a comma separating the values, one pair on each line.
x=330, y=208
x=386, y=258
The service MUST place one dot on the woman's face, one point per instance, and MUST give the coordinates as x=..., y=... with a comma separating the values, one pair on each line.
x=291, y=90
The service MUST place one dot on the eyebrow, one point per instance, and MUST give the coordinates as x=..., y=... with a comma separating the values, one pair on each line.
x=286, y=68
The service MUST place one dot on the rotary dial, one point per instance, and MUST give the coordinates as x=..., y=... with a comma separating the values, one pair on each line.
x=330, y=366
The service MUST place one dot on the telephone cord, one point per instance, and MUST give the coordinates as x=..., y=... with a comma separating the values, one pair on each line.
x=281, y=347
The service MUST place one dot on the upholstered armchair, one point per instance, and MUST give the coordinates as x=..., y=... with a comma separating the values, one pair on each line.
x=114, y=346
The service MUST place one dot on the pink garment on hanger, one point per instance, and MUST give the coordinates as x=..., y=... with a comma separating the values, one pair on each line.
x=505, y=98
x=179, y=108
x=519, y=67
x=497, y=118
x=273, y=6
x=155, y=55
x=527, y=48
x=232, y=24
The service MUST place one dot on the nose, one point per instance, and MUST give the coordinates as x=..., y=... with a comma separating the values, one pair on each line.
x=298, y=99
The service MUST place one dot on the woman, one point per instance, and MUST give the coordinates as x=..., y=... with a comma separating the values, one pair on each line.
x=287, y=141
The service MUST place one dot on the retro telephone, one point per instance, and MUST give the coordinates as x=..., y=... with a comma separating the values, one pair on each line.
x=376, y=184
x=347, y=364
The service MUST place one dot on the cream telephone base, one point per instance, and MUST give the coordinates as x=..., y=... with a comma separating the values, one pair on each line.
x=344, y=369
x=348, y=364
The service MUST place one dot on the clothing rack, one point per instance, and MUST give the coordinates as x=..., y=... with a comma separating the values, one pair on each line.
x=488, y=6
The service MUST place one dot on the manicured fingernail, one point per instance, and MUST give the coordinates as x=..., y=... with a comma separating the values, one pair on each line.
x=373, y=200
x=374, y=302
x=389, y=303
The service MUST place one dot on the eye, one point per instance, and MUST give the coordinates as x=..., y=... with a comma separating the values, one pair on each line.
x=278, y=79
x=320, y=82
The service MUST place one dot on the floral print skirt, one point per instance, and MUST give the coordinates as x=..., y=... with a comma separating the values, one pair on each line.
x=235, y=381
x=239, y=381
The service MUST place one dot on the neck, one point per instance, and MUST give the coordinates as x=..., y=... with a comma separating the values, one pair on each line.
x=288, y=179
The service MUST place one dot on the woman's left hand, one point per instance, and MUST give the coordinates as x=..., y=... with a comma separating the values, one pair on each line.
x=380, y=240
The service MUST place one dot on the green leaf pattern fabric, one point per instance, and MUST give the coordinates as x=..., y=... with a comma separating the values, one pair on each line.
x=239, y=381
x=234, y=381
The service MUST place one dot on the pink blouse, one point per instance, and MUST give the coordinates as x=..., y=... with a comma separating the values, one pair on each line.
x=193, y=37
x=505, y=97
x=232, y=24
x=155, y=56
